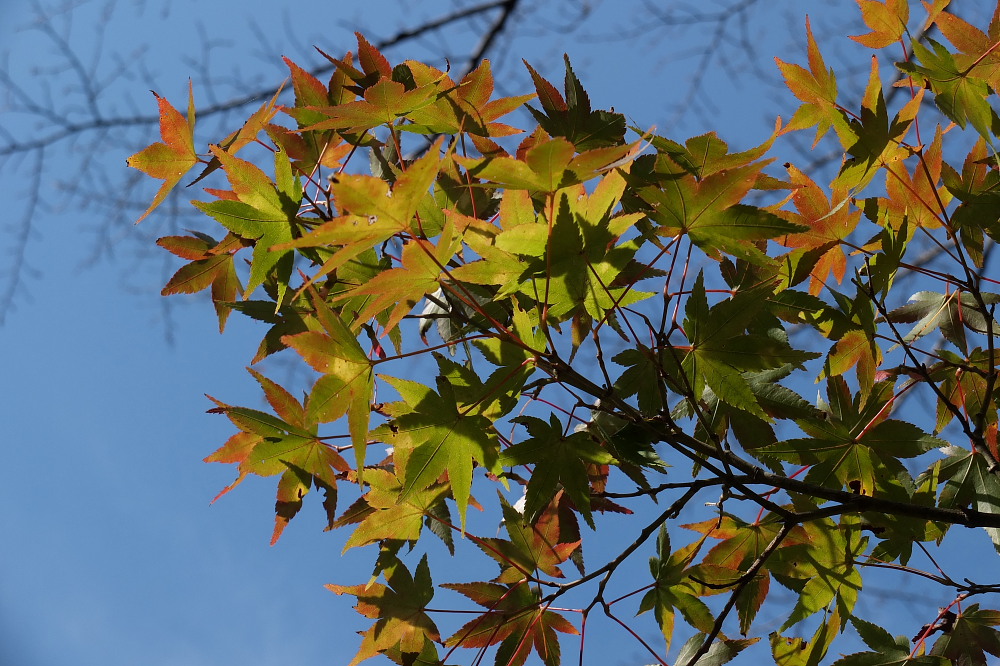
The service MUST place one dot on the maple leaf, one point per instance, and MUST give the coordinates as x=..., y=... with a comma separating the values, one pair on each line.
x=821, y=568
x=382, y=515
x=465, y=107
x=976, y=189
x=961, y=97
x=855, y=349
x=672, y=590
x=401, y=288
x=827, y=222
x=263, y=211
x=572, y=117
x=887, y=650
x=879, y=141
x=817, y=89
x=384, y=102
x=855, y=445
x=777, y=401
x=430, y=436
x=969, y=481
x=643, y=377
x=533, y=547
x=708, y=210
x=898, y=534
x=708, y=154
x=978, y=54
x=286, y=444
x=244, y=136
x=348, y=380
x=971, y=637
x=548, y=165
x=175, y=156
x=887, y=22
x=742, y=542
x=740, y=545
x=916, y=200
x=575, y=263
x=964, y=383
x=952, y=313
x=373, y=213
x=721, y=350
x=374, y=65
x=496, y=266
x=796, y=651
x=398, y=608
x=723, y=650
x=493, y=398
x=515, y=619
x=211, y=265
x=558, y=459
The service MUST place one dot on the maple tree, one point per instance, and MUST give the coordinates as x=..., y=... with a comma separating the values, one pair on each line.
x=626, y=325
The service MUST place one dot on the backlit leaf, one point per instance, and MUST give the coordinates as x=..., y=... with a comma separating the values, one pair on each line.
x=175, y=156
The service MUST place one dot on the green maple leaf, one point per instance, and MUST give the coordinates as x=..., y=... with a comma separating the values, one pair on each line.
x=977, y=190
x=753, y=432
x=721, y=349
x=398, y=608
x=384, y=516
x=971, y=637
x=573, y=117
x=879, y=141
x=288, y=320
x=673, y=591
x=723, y=650
x=348, y=380
x=545, y=167
x=494, y=398
x=372, y=214
x=708, y=209
x=820, y=567
x=401, y=288
x=854, y=445
x=548, y=165
x=706, y=154
x=431, y=436
x=515, y=619
x=558, y=459
x=961, y=97
x=968, y=481
x=887, y=650
x=643, y=377
x=385, y=101
x=263, y=211
x=576, y=264
x=795, y=651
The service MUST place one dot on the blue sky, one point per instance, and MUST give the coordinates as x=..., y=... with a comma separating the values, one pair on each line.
x=111, y=554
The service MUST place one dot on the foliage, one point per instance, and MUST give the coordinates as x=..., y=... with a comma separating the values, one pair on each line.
x=629, y=320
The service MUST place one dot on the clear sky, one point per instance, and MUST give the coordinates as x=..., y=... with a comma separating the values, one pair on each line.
x=110, y=553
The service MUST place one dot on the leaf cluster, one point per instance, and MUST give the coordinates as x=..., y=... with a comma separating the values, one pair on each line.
x=629, y=319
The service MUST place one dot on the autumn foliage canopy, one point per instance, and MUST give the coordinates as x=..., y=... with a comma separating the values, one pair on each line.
x=526, y=297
